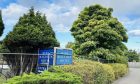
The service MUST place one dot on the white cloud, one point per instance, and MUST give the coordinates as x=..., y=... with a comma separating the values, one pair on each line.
x=125, y=7
x=73, y=11
x=65, y=12
x=56, y=16
x=61, y=20
x=83, y=3
x=11, y=15
x=130, y=24
x=121, y=7
x=61, y=28
x=13, y=11
x=134, y=33
x=62, y=13
x=60, y=17
x=36, y=3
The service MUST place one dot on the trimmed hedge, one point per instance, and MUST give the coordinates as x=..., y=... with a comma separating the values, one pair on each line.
x=91, y=72
x=46, y=78
x=81, y=72
x=94, y=72
x=119, y=69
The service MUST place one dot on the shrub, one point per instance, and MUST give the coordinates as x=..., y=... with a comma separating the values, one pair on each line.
x=88, y=71
x=91, y=72
x=119, y=69
x=46, y=78
x=105, y=74
x=132, y=56
x=121, y=59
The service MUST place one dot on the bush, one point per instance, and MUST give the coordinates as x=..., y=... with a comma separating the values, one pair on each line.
x=91, y=72
x=132, y=56
x=46, y=78
x=122, y=59
x=88, y=71
x=119, y=69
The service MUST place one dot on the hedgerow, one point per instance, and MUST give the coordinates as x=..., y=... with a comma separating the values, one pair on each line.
x=46, y=78
x=93, y=72
x=119, y=69
x=81, y=72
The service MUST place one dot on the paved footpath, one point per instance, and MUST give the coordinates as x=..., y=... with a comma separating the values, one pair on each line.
x=133, y=77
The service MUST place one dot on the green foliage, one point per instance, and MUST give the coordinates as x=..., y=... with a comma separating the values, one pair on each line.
x=110, y=56
x=3, y=49
x=122, y=59
x=1, y=24
x=119, y=70
x=94, y=72
x=98, y=34
x=46, y=78
x=70, y=45
x=133, y=56
x=31, y=32
x=91, y=72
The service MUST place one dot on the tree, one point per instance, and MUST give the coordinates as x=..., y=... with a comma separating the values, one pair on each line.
x=1, y=24
x=32, y=32
x=1, y=28
x=98, y=34
x=133, y=56
x=70, y=45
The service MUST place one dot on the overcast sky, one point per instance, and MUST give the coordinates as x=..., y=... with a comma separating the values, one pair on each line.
x=62, y=13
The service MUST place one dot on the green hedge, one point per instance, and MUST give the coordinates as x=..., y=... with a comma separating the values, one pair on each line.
x=81, y=72
x=91, y=72
x=119, y=69
x=94, y=72
x=46, y=78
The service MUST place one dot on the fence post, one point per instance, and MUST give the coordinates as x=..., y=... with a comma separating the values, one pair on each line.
x=37, y=60
x=21, y=63
x=2, y=64
x=48, y=61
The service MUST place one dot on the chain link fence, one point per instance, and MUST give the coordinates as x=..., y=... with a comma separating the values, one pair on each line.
x=95, y=59
x=12, y=64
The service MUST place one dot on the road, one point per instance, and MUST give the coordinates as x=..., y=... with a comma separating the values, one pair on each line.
x=133, y=77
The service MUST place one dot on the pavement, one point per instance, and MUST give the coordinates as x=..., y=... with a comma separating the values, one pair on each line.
x=133, y=77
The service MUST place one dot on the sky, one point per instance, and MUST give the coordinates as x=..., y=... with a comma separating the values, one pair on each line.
x=62, y=13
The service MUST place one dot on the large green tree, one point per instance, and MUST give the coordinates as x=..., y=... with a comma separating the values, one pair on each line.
x=31, y=32
x=1, y=24
x=99, y=35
